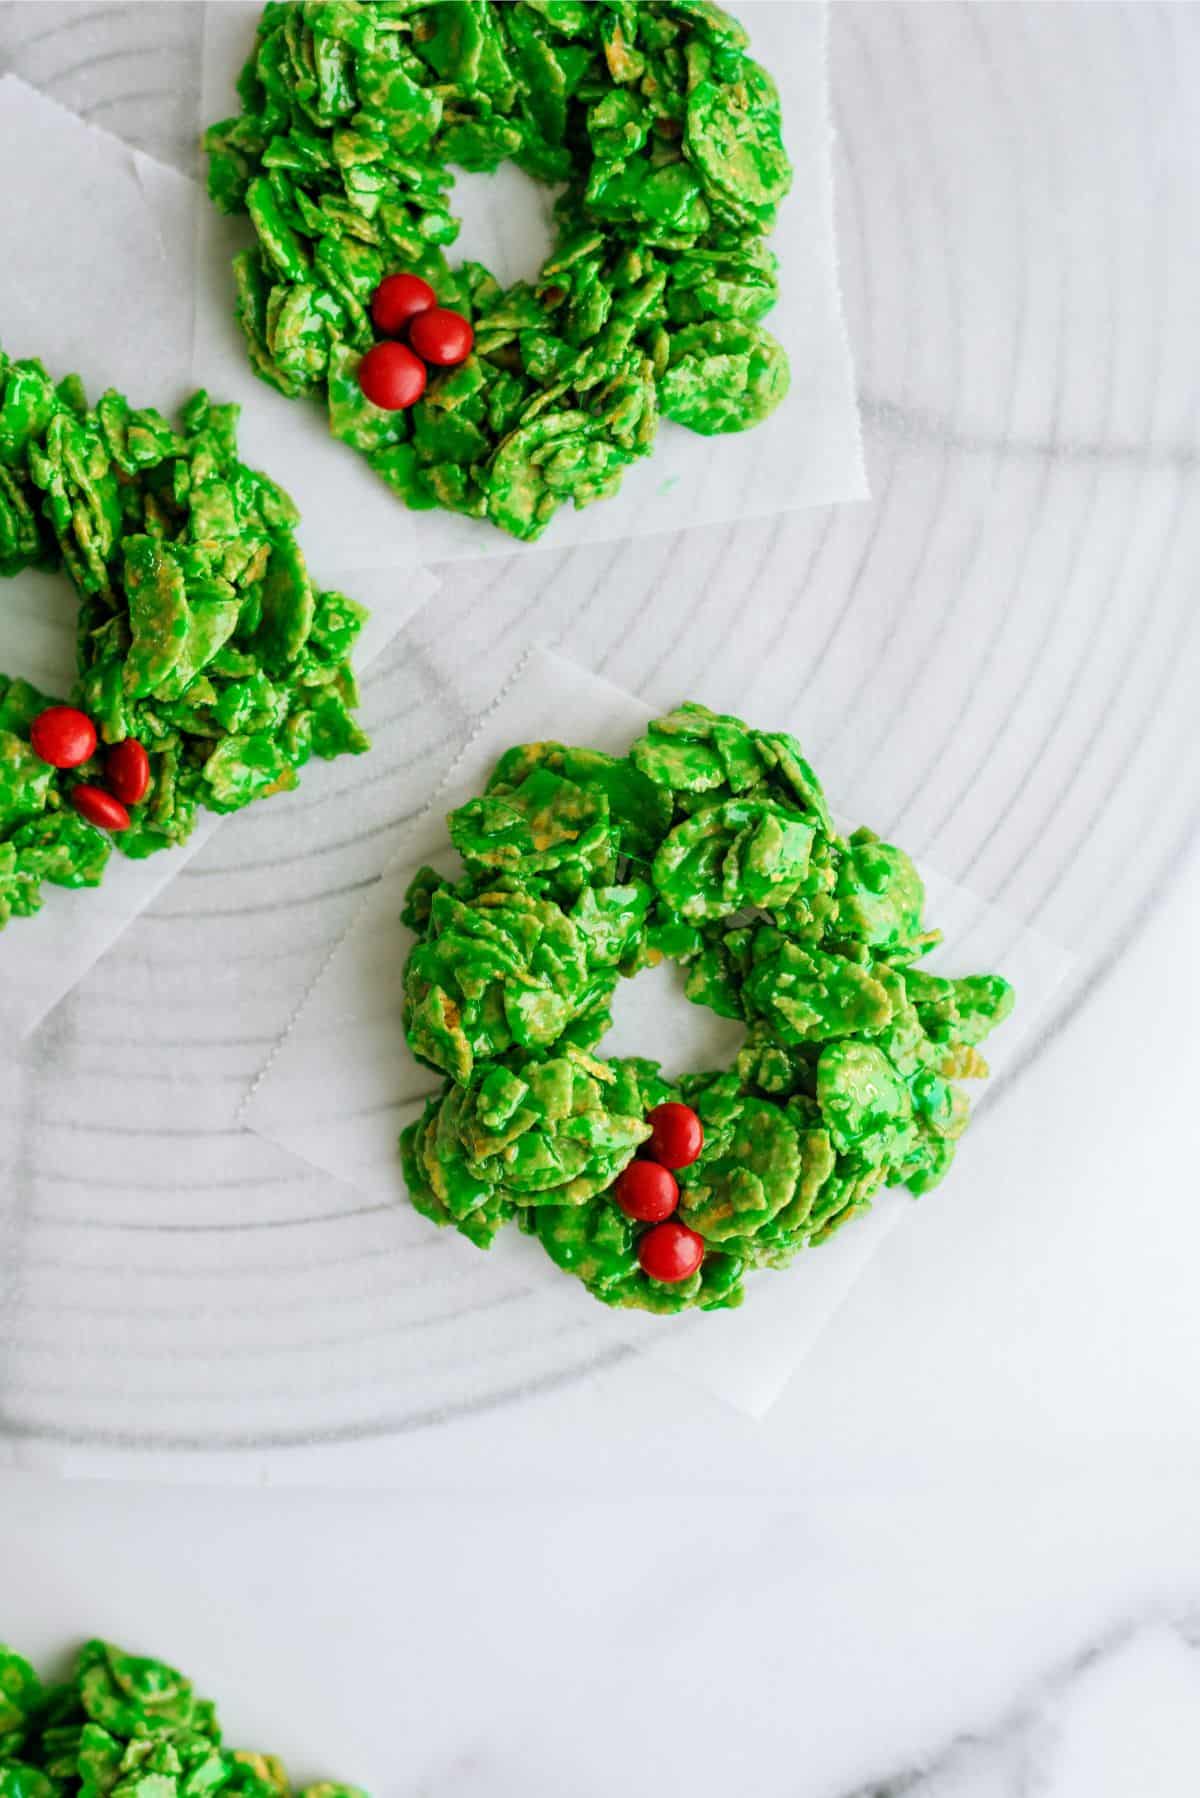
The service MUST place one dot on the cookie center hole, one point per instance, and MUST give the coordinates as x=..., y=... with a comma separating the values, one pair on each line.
x=653, y=1017
x=507, y=222
x=38, y=623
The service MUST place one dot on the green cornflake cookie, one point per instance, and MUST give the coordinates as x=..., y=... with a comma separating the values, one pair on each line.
x=711, y=845
x=201, y=634
x=125, y=1727
x=665, y=138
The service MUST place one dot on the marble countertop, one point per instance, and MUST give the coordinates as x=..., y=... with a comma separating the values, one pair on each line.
x=966, y=1640
x=959, y=1558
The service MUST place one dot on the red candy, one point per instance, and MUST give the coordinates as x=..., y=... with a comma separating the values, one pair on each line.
x=670, y=1252
x=647, y=1192
x=678, y=1135
x=99, y=808
x=392, y=377
x=397, y=300
x=127, y=771
x=441, y=336
x=63, y=736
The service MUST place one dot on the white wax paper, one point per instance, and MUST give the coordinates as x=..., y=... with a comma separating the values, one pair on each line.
x=342, y=1084
x=84, y=275
x=96, y=282
x=809, y=453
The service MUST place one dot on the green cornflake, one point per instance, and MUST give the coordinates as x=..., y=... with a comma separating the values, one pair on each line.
x=61, y=848
x=733, y=130
x=638, y=809
x=692, y=751
x=200, y=631
x=26, y=782
x=749, y=1167
x=128, y=1695
x=711, y=845
x=125, y=1726
x=597, y=1243
x=21, y=1699
x=880, y=895
x=545, y=825
x=502, y=968
x=805, y=995
x=556, y=1133
x=158, y=615
x=724, y=858
x=864, y=1101
x=723, y=375
x=666, y=139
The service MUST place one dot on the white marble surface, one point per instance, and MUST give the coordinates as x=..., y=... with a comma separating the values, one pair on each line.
x=977, y=1642
x=968, y=1567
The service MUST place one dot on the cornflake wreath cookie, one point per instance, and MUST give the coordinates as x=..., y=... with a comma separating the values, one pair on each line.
x=709, y=844
x=129, y=1726
x=210, y=669
x=665, y=137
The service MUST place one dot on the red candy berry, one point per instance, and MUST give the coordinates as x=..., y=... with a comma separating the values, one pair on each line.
x=647, y=1192
x=63, y=736
x=397, y=300
x=127, y=771
x=670, y=1252
x=677, y=1135
x=99, y=808
x=441, y=337
x=392, y=377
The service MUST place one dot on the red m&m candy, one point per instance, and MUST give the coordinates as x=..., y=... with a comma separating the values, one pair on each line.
x=99, y=808
x=647, y=1192
x=127, y=771
x=677, y=1135
x=397, y=300
x=670, y=1252
x=391, y=377
x=441, y=337
x=63, y=736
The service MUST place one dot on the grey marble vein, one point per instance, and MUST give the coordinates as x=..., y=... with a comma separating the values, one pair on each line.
x=1029, y=1751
